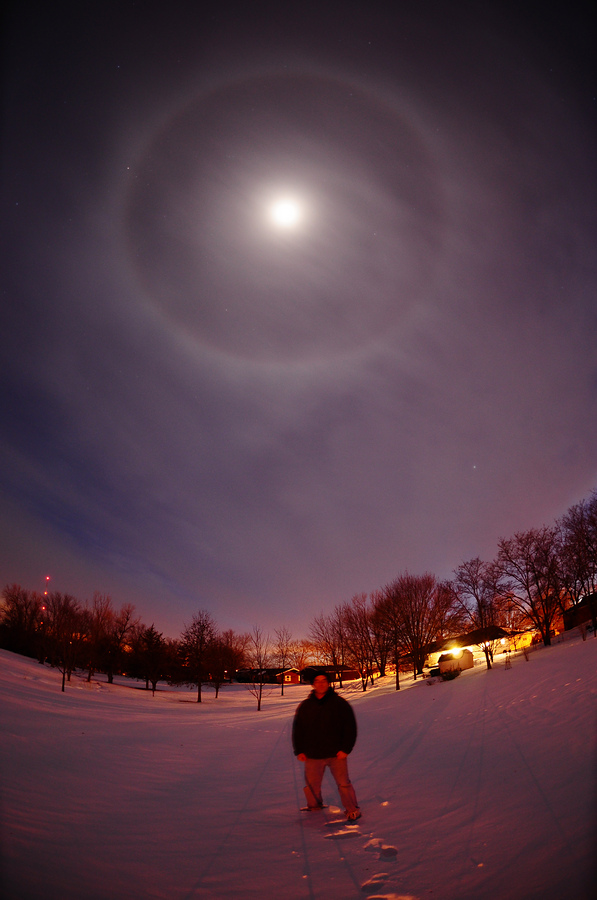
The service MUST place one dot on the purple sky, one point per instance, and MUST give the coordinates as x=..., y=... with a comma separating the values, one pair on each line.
x=200, y=410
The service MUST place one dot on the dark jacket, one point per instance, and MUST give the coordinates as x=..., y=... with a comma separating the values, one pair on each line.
x=322, y=727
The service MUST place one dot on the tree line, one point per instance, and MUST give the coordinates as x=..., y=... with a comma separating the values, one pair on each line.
x=96, y=636
x=536, y=576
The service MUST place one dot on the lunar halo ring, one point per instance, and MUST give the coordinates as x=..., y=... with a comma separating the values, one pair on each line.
x=341, y=268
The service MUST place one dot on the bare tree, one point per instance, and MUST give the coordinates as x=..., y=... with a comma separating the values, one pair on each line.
x=100, y=616
x=529, y=573
x=476, y=592
x=419, y=607
x=282, y=652
x=303, y=653
x=578, y=553
x=225, y=654
x=151, y=650
x=381, y=638
x=388, y=611
x=194, y=648
x=451, y=616
x=259, y=659
x=120, y=630
x=358, y=638
x=327, y=634
x=66, y=630
x=238, y=644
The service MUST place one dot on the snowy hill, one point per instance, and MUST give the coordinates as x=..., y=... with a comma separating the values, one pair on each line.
x=483, y=787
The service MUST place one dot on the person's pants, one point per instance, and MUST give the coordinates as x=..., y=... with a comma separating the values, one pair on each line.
x=314, y=769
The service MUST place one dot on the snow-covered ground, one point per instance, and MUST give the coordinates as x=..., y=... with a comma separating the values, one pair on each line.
x=482, y=787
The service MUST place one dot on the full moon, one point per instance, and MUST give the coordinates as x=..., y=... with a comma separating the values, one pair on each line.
x=285, y=212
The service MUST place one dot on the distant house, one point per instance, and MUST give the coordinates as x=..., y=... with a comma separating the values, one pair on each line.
x=581, y=613
x=268, y=676
x=288, y=676
x=334, y=673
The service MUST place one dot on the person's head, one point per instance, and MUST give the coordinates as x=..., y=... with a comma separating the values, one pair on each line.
x=320, y=684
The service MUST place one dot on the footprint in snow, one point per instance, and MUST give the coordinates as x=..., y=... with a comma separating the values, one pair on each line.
x=375, y=882
x=386, y=851
x=342, y=835
x=391, y=897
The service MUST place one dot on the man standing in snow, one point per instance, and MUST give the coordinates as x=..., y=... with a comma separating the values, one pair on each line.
x=324, y=732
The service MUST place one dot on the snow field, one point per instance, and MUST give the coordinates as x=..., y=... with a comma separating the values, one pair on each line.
x=483, y=787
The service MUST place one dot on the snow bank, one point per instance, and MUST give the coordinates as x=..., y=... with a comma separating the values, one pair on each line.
x=483, y=787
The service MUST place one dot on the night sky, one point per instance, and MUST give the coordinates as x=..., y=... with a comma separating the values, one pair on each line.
x=204, y=407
